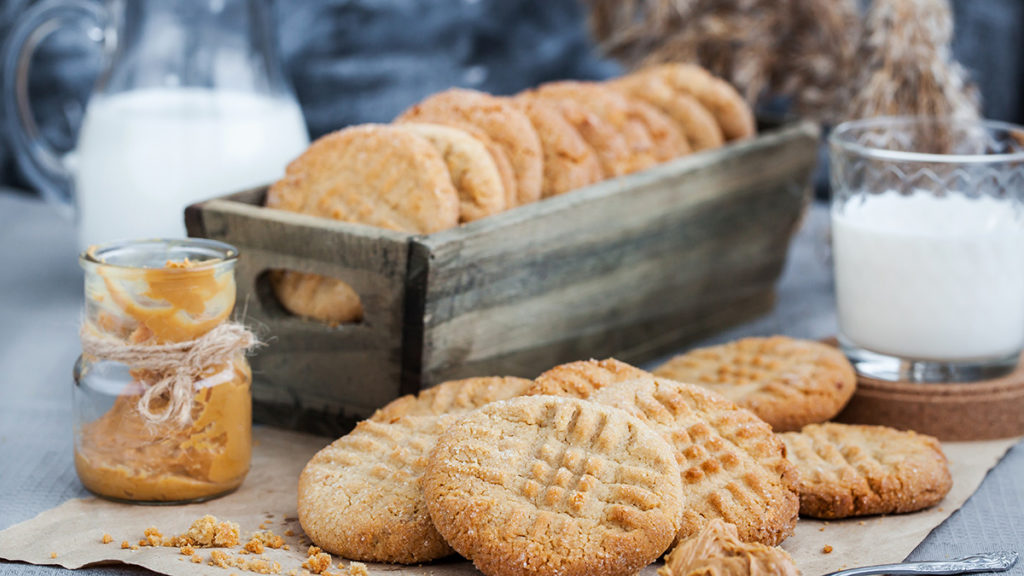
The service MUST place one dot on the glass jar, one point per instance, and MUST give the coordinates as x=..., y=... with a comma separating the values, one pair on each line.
x=162, y=401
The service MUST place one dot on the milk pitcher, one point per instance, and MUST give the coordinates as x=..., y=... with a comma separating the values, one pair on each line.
x=192, y=103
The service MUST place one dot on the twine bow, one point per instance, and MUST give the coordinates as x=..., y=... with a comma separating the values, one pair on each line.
x=179, y=365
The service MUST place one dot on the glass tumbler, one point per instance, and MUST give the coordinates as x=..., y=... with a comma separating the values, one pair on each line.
x=928, y=247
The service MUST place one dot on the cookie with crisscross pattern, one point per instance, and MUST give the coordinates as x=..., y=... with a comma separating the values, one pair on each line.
x=581, y=379
x=360, y=497
x=787, y=382
x=454, y=397
x=731, y=464
x=850, y=470
x=546, y=485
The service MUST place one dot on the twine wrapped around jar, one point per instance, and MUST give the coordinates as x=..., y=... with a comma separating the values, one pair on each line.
x=179, y=365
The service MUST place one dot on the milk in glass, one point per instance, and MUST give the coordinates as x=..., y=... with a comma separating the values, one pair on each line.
x=931, y=278
x=144, y=155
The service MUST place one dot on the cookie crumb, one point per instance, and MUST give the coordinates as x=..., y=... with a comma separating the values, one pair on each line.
x=135, y=546
x=861, y=523
x=208, y=532
x=219, y=558
x=53, y=554
x=254, y=546
x=153, y=537
x=269, y=539
x=316, y=561
x=827, y=549
x=289, y=532
x=357, y=569
x=187, y=550
x=197, y=559
x=107, y=539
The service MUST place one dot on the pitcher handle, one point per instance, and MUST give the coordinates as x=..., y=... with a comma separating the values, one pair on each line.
x=39, y=161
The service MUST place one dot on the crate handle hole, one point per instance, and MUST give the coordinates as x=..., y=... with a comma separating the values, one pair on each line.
x=311, y=297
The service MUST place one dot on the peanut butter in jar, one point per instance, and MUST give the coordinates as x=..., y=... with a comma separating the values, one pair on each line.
x=162, y=397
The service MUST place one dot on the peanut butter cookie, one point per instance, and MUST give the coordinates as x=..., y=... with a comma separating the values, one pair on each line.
x=616, y=111
x=731, y=464
x=669, y=142
x=360, y=497
x=371, y=174
x=569, y=162
x=473, y=170
x=697, y=124
x=613, y=152
x=581, y=379
x=316, y=297
x=850, y=470
x=504, y=125
x=789, y=383
x=542, y=485
x=732, y=112
x=454, y=397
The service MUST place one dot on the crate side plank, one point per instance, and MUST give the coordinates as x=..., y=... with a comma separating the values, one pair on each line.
x=709, y=274
x=560, y=270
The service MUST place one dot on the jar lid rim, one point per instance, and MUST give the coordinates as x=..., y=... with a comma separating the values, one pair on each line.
x=130, y=254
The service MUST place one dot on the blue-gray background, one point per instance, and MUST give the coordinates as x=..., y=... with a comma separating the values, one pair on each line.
x=365, y=60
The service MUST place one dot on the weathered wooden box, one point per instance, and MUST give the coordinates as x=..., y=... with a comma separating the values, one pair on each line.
x=633, y=267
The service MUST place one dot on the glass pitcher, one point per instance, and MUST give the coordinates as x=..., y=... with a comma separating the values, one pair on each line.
x=192, y=103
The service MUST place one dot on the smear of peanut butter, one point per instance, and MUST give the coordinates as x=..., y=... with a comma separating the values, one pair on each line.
x=718, y=551
x=176, y=303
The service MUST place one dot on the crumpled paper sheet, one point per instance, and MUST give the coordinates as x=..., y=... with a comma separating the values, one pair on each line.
x=74, y=529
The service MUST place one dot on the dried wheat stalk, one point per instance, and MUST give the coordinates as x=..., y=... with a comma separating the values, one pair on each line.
x=803, y=49
x=906, y=64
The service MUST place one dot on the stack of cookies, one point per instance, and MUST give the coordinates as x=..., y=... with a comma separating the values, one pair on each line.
x=600, y=468
x=462, y=155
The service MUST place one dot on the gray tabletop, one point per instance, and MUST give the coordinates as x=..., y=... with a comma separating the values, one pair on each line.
x=40, y=301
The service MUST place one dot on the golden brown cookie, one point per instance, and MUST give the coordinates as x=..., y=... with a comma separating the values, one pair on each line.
x=454, y=397
x=718, y=551
x=788, y=383
x=613, y=152
x=697, y=124
x=668, y=139
x=360, y=497
x=317, y=297
x=850, y=470
x=731, y=111
x=504, y=125
x=542, y=485
x=732, y=466
x=569, y=162
x=581, y=379
x=371, y=174
x=615, y=110
x=473, y=170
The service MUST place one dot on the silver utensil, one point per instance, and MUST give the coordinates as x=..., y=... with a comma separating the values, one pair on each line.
x=987, y=562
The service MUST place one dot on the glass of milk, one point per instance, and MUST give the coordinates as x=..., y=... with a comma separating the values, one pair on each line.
x=192, y=103
x=928, y=247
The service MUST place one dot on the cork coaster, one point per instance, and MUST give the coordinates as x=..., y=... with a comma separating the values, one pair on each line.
x=950, y=411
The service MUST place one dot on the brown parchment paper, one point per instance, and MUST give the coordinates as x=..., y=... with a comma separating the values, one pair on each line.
x=73, y=530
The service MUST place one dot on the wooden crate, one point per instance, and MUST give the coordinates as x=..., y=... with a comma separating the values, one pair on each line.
x=633, y=267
